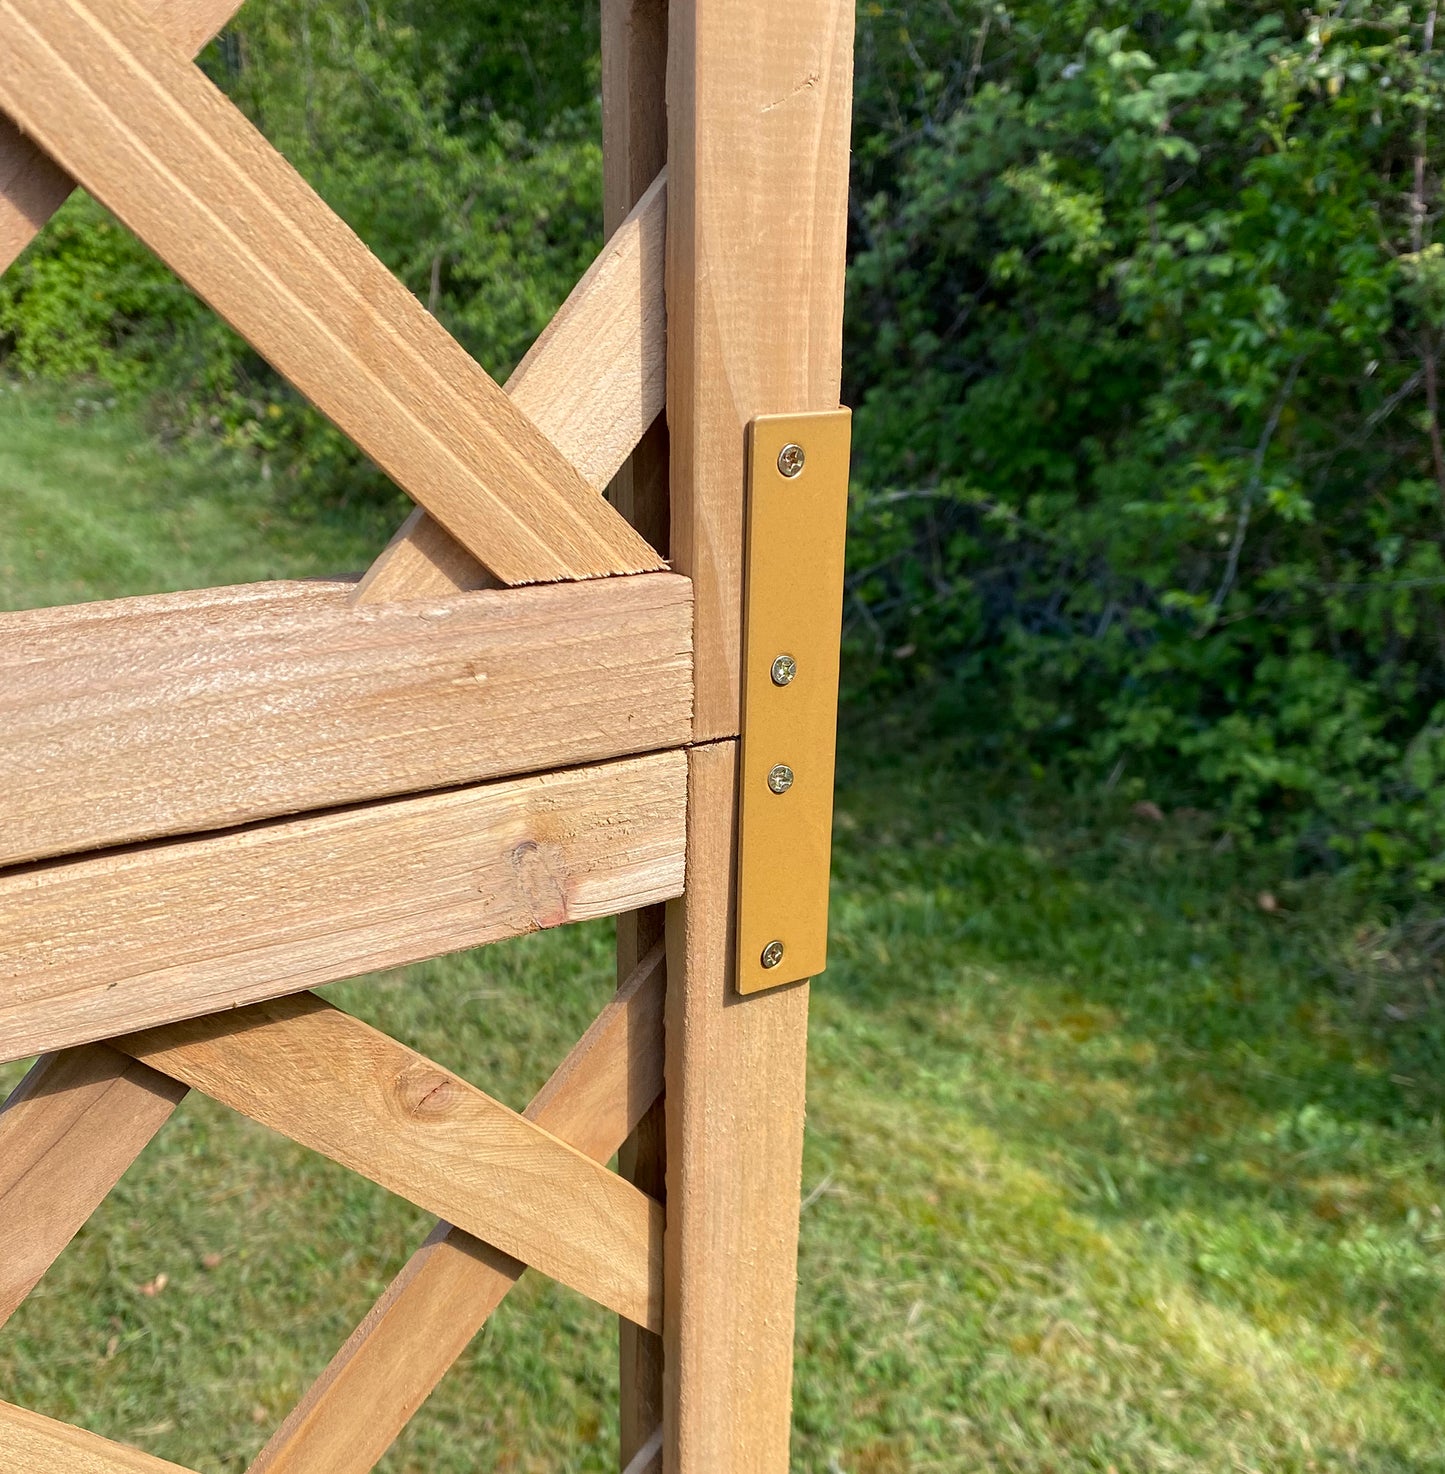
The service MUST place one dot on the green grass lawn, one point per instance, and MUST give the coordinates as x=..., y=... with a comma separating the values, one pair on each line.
x=90, y=508
x=1104, y=1171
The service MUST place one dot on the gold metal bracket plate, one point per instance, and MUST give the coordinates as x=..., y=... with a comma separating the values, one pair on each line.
x=797, y=512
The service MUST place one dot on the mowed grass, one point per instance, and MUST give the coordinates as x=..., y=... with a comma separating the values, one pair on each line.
x=91, y=508
x=1102, y=1171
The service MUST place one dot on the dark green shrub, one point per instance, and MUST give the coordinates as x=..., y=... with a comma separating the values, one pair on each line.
x=1144, y=332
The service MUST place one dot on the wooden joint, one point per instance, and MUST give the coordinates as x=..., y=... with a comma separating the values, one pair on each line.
x=797, y=512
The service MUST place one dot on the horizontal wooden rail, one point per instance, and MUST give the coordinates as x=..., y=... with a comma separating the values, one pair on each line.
x=110, y=99
x=342, y=1088
x=390, y=1364
x=30, y=1444
x=593, y=383
x=110, y=943
x=67, y=1134
x=32, y=186
x=146, y=717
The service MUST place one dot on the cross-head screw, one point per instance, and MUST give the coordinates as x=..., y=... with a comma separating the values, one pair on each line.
x=780, y=777
x=772, y=954
x=784, y=669
x=790, y=459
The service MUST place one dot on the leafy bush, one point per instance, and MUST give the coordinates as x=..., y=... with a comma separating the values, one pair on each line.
x=1145, y=326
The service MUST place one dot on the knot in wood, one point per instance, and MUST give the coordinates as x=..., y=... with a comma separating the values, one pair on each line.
x=421, y=1090
x=540, y=871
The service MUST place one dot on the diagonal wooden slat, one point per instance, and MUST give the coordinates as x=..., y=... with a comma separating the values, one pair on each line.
x=344, y=1089
x=593, y=383
x=68, y=1132
x=125, y=939
x=390, y=1364
x=32, y=186
x=145, y=131
x=31, y=1444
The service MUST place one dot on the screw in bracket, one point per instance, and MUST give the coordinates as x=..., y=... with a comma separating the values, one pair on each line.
x=790, y=459
x=784, y=669
x=780, y=777
x=772, y=954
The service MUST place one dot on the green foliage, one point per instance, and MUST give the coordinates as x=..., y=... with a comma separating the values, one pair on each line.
x=1146, y=315
x=94, y=301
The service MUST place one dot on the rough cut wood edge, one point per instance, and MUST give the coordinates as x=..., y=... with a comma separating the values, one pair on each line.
x=154, y=717
x=734, y=1091
x=110, y=943
x=391, y=1363
x=30, y=1444
x=29, y=631
x=68, y=1132
x=32, y=187
x=337, y=1085
x=759, y=106
x=150, y=136
x=593, y=383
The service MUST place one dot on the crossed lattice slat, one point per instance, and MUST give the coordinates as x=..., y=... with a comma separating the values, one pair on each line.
x=531, y=1185
x=515, y=478
x=230, y=887
x=111, y=99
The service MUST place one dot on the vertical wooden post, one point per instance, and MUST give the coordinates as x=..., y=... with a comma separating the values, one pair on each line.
x=634, y=148
x=759, y=102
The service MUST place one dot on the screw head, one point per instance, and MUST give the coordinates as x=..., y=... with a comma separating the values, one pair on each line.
x=772, y=954
x=790, y=460
x=780, y=777
x=784, y=669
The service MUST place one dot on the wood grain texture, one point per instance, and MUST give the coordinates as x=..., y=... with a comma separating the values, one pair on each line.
x=68, y=1132
x=30, y=1444
x=150, y=717
x=337, y=1085
x=759, y=100
x=32, y=187
x=390, y=1364
x=148, y=134
x=734, y=1090
x=593, y=383
x=118, y=941
x=634, y=150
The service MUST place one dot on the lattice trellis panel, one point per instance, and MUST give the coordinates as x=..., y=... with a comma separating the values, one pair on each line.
x=215, y=802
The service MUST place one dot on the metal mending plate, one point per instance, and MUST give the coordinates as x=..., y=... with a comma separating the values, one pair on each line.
x=797, y=512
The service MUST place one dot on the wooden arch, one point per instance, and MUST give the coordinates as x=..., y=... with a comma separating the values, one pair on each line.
x=523, y=714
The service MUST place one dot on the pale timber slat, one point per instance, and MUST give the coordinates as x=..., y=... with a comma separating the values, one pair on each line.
x=342, y=1088
x=593, y=383
x=145, y=131
x=735, y=1076
x=32, y=187
x=150, y=717
x=759, y=98
x=390, y=1364
x=67, y=1134
x=110, y=943
x=30, y=1444
x=759, y=107
x=634, y=150
x=34, y=633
